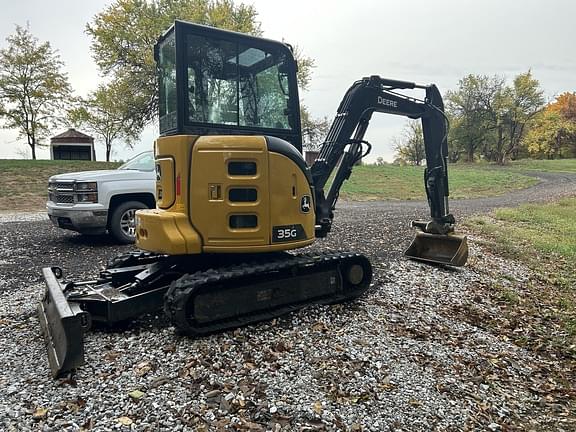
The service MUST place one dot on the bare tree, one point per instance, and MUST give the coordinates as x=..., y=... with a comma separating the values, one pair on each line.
x=410, y=145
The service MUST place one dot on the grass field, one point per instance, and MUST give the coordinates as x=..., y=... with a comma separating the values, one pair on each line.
x=544, y=237
x=561, y=165
x=24, y=183
x=391, y=182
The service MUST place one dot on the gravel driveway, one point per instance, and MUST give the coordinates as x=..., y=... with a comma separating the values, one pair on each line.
x=403, y=357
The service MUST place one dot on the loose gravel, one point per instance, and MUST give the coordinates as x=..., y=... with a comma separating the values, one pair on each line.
x=403, y=357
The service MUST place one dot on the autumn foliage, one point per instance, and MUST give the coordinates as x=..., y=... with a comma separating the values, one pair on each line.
x=553, y=134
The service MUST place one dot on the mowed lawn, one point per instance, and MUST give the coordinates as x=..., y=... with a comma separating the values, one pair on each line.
x=24, y=183
x=391, y=182
x=561, y=165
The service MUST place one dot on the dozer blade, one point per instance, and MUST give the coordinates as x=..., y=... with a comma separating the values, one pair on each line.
x=448, y=249
x=63, y=325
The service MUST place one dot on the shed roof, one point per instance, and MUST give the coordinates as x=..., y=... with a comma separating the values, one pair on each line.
x=71, y=133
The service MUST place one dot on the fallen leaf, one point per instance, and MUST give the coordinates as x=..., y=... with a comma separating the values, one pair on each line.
x=212, y=394
x=75, y=405
x=40, y=413
x=143, y=368
x=319, y=326
x=88, y=425
x=125, y=421
x=112, y=355
x=317, y=407
x=160, y=381
x=136, y=394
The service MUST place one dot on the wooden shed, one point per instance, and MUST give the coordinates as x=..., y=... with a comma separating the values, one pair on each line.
x=72, y=145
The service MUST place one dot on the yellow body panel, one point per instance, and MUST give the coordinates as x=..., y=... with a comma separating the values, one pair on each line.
x=287, y=186
x=205, y=207
x=166, y=184
x=211, y=214
x=166, y=232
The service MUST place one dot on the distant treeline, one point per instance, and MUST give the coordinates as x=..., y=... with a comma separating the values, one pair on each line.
x=498, y=122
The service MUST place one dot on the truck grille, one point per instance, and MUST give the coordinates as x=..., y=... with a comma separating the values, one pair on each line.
x=61, y=193
x=61, y=186
x=61, y=199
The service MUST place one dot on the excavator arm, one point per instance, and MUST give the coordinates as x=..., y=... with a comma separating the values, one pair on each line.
x=343, y=148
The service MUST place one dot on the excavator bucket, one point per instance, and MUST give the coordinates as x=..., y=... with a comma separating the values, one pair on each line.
x=63, y=325
x=448, y=249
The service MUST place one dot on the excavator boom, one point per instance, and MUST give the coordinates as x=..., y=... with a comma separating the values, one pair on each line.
x=343, y=148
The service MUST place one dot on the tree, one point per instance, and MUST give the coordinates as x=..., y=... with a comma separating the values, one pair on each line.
x=521, y=102
x=410, y=145
x=33, y=88
x=305, y=66
x=124, y=34
x=106, y=114
x=491, y=118
x=474, y=113
x=314, y=130
x=565, y=104
x=553, y=134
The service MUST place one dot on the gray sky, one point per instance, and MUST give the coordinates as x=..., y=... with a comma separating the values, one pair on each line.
x=414, y=40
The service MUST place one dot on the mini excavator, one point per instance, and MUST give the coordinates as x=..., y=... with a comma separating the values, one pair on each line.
x=234, y=195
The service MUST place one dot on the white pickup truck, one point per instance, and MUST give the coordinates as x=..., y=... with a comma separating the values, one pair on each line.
x=93, y=202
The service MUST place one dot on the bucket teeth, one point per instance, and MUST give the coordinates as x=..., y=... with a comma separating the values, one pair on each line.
x=447, y=249
x=63, y=325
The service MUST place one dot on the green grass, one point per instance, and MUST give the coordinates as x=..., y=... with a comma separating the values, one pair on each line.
x=390, y=182
x=24, y=183
x=560, y=165
x=549, y=228
x=543, y=236
x=387, y=182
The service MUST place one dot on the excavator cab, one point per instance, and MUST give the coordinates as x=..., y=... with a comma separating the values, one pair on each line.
x=218, y=82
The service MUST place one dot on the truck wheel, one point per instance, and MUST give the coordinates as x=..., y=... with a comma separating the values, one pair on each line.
x=123, y=221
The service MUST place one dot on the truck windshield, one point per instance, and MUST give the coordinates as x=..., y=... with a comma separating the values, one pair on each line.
x=142, y=162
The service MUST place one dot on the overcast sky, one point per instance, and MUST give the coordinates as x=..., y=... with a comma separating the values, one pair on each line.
x=420, y=40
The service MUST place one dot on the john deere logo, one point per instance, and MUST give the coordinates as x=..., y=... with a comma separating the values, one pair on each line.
x=305, y=204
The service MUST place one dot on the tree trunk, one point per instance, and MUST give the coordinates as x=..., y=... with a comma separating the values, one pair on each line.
x=500, y=147
x=32, y=144
x=108, y=150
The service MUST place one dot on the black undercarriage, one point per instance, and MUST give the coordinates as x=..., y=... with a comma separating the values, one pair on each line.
x=200, y=294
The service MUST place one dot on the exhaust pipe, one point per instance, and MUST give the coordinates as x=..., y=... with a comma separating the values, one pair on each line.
x=447, y=249
x=63, y=325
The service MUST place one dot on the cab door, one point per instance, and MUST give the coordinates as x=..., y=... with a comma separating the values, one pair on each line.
x=229, y=197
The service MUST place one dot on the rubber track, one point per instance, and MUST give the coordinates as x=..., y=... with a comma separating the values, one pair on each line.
x=182, y=289
x=132, y=258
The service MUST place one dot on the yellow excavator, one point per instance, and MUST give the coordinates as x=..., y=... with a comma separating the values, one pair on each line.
x=234, y=195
